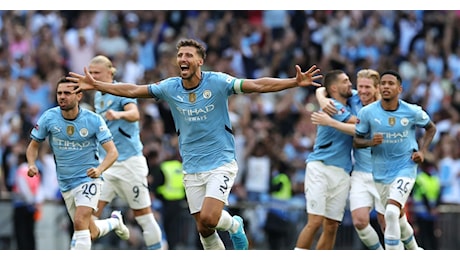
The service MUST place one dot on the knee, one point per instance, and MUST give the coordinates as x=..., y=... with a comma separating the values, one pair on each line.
x=331, y=225
x=208, y=221
x=360, y=221
x=392, y=213
x=79, y=223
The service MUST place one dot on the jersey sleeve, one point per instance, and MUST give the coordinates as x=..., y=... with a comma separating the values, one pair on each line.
x=125, y=101
x=103, y=133
x=232, y=85
x=421, y=118
x=362, y=126
x=155, y=90
x=40, y=130
x=343, y=113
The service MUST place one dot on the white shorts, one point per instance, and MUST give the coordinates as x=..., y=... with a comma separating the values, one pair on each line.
x=86, y=194
x=326, y=190
x=128, y=181
x=216, y=184
x=399, y=190
x=363, y=193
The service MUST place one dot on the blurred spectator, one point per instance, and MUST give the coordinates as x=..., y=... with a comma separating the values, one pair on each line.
x=449, y=170
x=20, y=41
x=168, y=188
x=412, y=69
x=146, y=50
x=133, y=71
x=79, y=53
x=26, y=207
x=22, y=66
x=113, y=44
x=426, y=199
x=279, y=223
x=130, y=28
x=409, y=26
x=37, y=95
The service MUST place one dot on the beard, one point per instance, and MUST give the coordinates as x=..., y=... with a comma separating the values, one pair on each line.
x=67, y=107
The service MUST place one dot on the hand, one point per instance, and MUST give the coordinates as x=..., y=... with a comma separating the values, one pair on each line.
x=328, y=106
x=309, y=77
x=93, y=172
x=84, y=82
x=377, y=139
x=32, y=171
x=418, y=157
x=320, y=118
x=112, y=115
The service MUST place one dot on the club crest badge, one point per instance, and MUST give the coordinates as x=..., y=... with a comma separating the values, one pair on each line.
x=84, y=132
x=70, y=130
x=207, y=94
x=404, y=122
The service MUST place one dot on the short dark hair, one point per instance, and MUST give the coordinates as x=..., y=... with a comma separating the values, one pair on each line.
x=393, y=73
x=64, y=79
x=200, y=48
x=330, y=78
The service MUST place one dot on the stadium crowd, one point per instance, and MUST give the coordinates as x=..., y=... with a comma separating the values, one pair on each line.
x=273, y=132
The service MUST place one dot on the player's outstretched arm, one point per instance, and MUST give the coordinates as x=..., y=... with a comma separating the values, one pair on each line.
x=87, y=82
x=267, y=84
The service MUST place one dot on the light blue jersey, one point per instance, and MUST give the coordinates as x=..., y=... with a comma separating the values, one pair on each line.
x=363, y=161
x=392, y=158
x=201, y=118
x=332, y=146
x=125, y=134
x=73, y=143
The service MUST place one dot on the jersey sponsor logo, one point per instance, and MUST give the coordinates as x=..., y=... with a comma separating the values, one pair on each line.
x=378, y=121
x=70, y=145
x=394, y=137
x=102, y=128
x=83, y=132
x=196, y=114
x=70, y=130
x=391, y=121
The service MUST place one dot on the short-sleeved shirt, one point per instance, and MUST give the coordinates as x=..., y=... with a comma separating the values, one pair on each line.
x=201, y=118
x=74, y=143
x=399, y=138
x=126, y=134
x=332, y=146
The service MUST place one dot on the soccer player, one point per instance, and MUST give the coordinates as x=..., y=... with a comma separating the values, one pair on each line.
x=327, y=174
x=363, y=195
x=74, y=133
x=389, y=126
x=127, y=177
x=199, y=106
